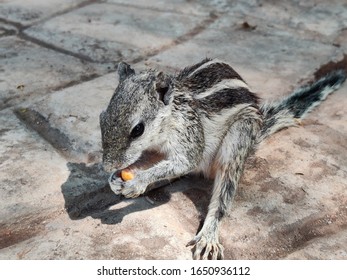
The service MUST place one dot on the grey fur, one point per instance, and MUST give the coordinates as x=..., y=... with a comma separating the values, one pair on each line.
x=284, y=113
x=205, y=119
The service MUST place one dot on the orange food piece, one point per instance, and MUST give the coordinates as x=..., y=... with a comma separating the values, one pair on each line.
x=126, y=175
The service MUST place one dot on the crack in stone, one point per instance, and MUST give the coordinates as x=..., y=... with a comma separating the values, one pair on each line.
x=49, y=46
x=183, y=38
x=60, y=141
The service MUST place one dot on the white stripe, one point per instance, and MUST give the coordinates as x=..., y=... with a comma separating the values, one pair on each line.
x=216, y=124
x=225, y=84
x=205, y=65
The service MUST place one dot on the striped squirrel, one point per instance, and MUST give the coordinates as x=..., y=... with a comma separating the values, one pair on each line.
x=205, y=119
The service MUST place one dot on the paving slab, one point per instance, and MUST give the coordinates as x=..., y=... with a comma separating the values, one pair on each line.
x=341, y=40
x=27, y=12
x=198, y=8
x=31, y=172
x=30, y=70
x=316, y=18
x=108, y=32
x=73, y=113
x=331, y=247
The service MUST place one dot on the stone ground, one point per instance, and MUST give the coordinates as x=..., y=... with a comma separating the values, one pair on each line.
x=57, y=68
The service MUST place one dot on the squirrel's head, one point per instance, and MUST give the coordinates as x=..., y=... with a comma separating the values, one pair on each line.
x=136, y=117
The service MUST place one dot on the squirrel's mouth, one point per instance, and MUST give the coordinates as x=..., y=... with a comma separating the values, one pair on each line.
x=147, y=159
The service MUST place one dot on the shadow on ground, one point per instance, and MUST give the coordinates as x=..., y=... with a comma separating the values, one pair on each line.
x=87, y=193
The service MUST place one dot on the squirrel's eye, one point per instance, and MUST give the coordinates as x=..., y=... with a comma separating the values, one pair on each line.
x=137, y=130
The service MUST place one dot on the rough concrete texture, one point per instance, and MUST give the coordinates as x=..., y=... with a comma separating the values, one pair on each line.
x=26, y=12
x=57, y=75
x=28, y=70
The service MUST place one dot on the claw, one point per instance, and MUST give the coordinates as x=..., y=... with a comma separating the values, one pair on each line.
x=193, y=242
x=115, y=183
x=130, y=194
x=206, y=250
x=113, y=177
x=216, y=254
x=200, y=246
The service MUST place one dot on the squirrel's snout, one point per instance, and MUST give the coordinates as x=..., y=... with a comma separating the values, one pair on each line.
x=109, y=162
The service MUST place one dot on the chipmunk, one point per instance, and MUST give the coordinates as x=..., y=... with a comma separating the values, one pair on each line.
x=204, y=119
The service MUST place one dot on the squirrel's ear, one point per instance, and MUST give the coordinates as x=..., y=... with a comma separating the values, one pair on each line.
x=163, y=87
x=124, y=71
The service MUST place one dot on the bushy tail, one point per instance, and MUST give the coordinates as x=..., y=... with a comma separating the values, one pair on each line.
x=289, y=111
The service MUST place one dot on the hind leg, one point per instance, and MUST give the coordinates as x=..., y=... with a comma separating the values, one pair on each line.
x=229, y=162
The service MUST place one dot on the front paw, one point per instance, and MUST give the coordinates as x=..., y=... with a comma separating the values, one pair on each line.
x=133, y=188
x=130, y=189
x=206, y=247
x=116, y=183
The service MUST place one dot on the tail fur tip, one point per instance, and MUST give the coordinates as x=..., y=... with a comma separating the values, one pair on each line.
x=336, y=77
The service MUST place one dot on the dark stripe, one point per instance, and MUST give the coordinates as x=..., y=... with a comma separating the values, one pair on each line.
x=190, y=69
x=225, y=198
x=209, y=76
x=227, y=98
